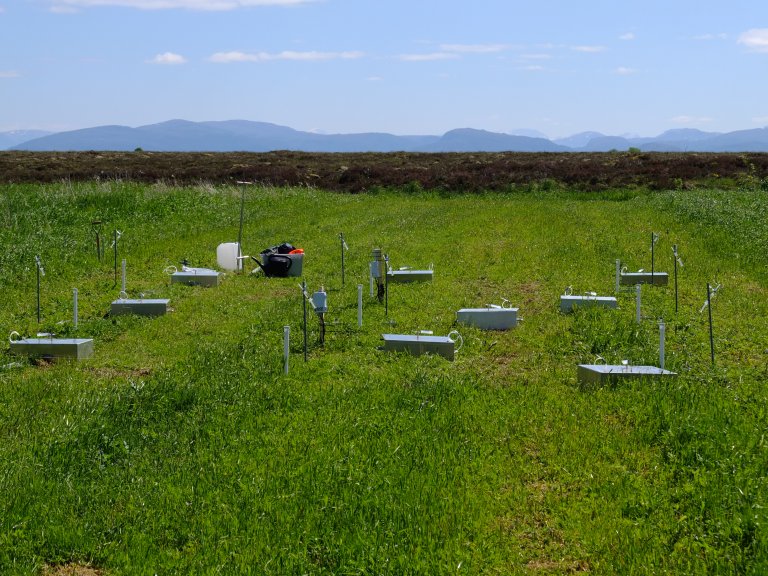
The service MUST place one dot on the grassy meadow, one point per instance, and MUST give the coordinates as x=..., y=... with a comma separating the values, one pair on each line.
x=181, y=447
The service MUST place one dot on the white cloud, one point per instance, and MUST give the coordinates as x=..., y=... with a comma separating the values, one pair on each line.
x=431, y=57
x=588, y=49
x=229, y=57
x=762, y=120
x=375, y=79
x=9, y=74
x=473, y=48
x=536, y=56
x=755, y=39
x=627, y=36
x=532, y=68
x=709, y=37
x=205, y=5
x=168, y=58
x=624, y=71
x=688, y=120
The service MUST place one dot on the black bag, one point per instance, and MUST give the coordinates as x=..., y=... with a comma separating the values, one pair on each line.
x=277, y=265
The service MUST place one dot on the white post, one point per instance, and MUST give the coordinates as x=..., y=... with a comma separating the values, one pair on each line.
x=359, y=305
x=637, y=303
x=74, y=293
x=123, y=284
x=286, y=347
x=662, y=331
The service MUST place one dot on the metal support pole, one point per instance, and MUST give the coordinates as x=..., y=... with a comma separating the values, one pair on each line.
x=653, y=245
x=359, y=305
x=115, y=246
x=38, y=291
x=711, y=336
x=662, y=333
x=618, y=274
x=286, y=347
x=304, y=300
x=674, y=257
x=386, y=286
x=123, y=284
x=74, y=312
x=240, y=231
x=341, y=237
x=638, y=316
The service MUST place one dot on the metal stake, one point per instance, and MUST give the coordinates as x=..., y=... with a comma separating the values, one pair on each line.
x=40, y=272
x=386, y=285
x=711, y=336
x=123, y=284
x=304, y=300
x=637, y=303
x=114, y=243
x=676, y=297
x=359, y=305
x=286, y=347
x=39, y=268
x=662, y=332
x=343, y=246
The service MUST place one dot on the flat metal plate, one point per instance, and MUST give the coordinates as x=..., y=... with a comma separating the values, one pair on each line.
x=569, y=302
x=405, y=276
x=53, y=347
x=632, y=278
x=141, y=307
x=488, y=318
x=420, y=344
x=601, y=374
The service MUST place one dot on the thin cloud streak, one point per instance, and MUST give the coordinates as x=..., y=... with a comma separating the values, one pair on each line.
x=198, y=5
x=235, y=56
x=432, y=57
x=168, y=58
x=473, y=48
x=588, y=49
x=688, y=120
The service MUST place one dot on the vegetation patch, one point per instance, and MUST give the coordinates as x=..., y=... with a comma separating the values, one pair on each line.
x=183, y=447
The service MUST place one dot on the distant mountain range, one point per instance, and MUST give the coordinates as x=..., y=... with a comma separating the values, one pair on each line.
x=248, y=136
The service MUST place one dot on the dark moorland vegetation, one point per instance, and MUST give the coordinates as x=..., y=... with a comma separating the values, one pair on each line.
x=463, y=172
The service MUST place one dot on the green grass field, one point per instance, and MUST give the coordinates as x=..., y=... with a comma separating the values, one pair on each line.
x=182, y=448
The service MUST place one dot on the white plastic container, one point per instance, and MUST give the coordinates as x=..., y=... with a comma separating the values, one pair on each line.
x=227, y=256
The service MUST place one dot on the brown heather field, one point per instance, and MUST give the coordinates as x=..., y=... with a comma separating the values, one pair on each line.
x=348, y=172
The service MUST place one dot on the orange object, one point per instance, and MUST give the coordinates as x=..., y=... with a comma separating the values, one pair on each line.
x=297, y=251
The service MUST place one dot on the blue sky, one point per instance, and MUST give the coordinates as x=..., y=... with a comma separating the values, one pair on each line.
x=398, y=66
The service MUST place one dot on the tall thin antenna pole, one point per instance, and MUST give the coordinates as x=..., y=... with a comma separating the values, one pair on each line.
x=242, y=212
x=674, y=257
x=115, y=246
x=304, y=300
x=711, y=336
x=38, y=290
x=386, y=285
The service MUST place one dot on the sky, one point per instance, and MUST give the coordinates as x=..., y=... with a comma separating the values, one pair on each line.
x=558, y=67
